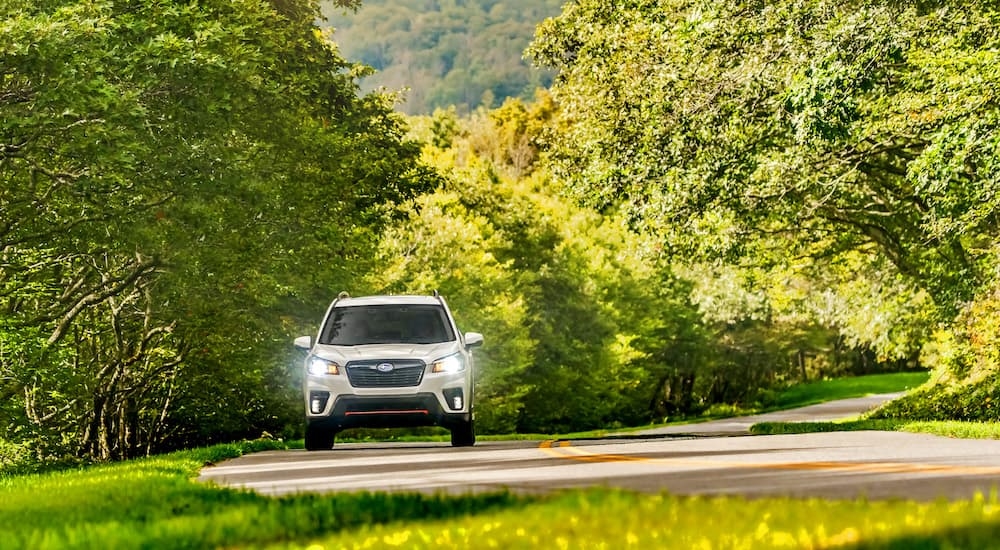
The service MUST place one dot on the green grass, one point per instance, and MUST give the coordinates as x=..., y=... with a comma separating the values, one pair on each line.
x=968, y=430
x=820, y=391
x=155, y=503
x=613, y=519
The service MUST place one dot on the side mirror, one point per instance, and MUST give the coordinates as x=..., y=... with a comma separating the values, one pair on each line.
x=473, y=339
x=304, y=343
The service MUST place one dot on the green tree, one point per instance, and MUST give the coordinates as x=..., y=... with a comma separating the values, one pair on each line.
x=177, y=179
x=853, y=145
x=840, y=127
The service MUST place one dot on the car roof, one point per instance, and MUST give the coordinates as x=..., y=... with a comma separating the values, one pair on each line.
x=387, y=300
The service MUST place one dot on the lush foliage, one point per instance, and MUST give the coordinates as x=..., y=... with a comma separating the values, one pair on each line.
x=572, y=312
x=851, y=144
x=154, y=502
x=442, y=53
x=837, y=126
x=967, y=374
x=172, y=175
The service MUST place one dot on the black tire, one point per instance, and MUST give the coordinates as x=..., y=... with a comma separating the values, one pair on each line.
x=319, y=439
x=463, y=434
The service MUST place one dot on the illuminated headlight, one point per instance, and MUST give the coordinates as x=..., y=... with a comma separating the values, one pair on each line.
x=319, y=367
x=452, y=363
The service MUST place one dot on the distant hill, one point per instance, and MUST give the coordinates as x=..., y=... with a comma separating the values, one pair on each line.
x=464, y=53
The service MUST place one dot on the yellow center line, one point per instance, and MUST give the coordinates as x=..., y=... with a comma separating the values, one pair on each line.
x=565, y=450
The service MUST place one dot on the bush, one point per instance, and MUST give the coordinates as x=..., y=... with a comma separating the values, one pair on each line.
x=965, y=356
x=14, y=457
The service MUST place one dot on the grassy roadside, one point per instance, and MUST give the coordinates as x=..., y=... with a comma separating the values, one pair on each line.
x=828, y=390
x=970, y=430
x=610, y=519
x=155, y=503
x=799, y=395
x=820, y=391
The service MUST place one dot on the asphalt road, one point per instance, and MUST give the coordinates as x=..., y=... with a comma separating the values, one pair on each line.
x=707, y=458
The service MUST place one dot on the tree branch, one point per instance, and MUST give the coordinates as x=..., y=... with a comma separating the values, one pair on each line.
x=141, y=268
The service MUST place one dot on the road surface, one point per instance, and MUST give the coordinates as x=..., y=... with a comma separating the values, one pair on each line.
x=707, y=459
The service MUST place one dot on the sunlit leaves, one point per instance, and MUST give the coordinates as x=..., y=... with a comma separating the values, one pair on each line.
x=804, y=118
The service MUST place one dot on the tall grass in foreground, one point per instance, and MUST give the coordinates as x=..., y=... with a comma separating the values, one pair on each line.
x=155, y=503
x=612, y=520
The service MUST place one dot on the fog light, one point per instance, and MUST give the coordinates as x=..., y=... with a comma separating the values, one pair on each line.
x=318, y=401
x=454, y=398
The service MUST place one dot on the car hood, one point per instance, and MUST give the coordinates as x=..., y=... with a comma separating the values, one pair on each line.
x=373, y=352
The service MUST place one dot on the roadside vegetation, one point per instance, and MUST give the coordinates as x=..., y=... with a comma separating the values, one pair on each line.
x=817, y=392
x=155, y=503
x=810, y=393
x=827, y=390
x=957, y=429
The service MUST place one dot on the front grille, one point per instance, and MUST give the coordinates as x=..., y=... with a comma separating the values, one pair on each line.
x=404, y=373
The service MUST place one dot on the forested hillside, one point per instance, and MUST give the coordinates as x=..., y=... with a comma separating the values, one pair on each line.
x=462, y=53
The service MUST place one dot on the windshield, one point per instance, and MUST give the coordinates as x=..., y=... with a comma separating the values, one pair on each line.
x=387, y=324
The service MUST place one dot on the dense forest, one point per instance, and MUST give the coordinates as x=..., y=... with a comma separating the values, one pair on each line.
x=711, y=200
x=444, y=53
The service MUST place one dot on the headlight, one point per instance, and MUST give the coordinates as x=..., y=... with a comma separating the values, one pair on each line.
x=318, y=367
x=452, y=363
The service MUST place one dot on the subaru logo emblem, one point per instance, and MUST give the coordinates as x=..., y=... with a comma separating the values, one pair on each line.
x=384, y=367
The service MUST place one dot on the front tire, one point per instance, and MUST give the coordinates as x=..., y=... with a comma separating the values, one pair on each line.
x=319, y=439
x=463, y=434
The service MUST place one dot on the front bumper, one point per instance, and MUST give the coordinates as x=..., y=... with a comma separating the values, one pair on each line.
x=387, y=411
x=439, y=385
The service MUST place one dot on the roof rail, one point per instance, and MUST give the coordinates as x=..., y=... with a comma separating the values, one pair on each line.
x=436, y=294
x=343, y=294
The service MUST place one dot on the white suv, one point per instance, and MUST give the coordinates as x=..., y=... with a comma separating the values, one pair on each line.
x=392, y=362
